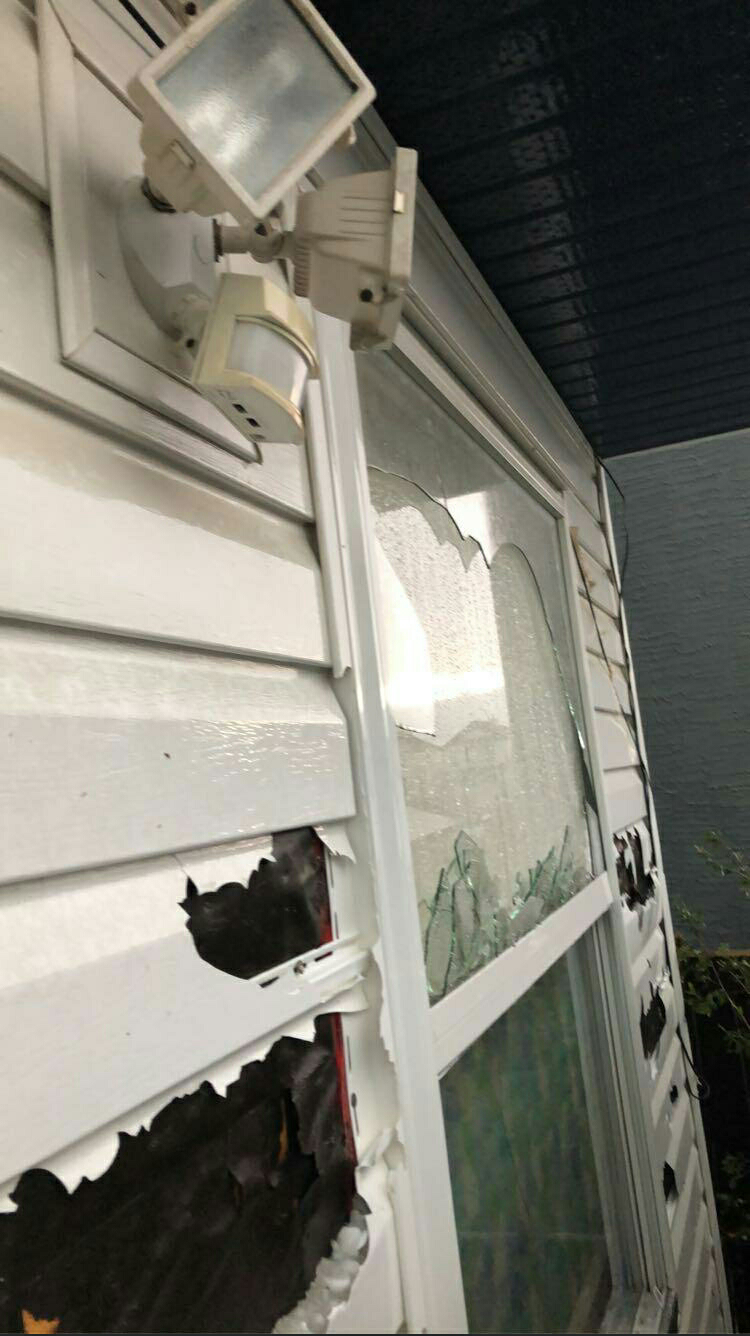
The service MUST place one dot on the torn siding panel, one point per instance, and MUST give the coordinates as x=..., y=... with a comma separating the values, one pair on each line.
x=212, y=1219
x=247, y=926
x=668, y=1075
x=359, y=1288
x=332, y=1284
x=117, y=751
x=161, y=1014
x=681, y=1136
x=639, y=923
x=375, y=1303
x=93, y=1154
x=336, y=840
x=210, y=868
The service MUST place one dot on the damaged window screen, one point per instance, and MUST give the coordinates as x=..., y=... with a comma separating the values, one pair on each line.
x=479, y=680
x=525, y=1192
x=213, y=1218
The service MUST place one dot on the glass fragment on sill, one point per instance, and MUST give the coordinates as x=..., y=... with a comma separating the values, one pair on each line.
x=214, y=1218
x=280, y=913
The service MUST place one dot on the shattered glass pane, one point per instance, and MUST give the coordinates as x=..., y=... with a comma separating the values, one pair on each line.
x=212, y=1219
x=281, y=912
x=525, y=1192
x=479, y=680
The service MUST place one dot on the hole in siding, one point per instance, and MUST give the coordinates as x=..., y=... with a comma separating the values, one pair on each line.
x=669, y=1182
x=212, y=1220
x=281, y=912
x=635, y=881
x=652, y=1022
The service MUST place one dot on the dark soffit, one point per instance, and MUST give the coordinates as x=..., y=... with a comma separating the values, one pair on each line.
x=594, y=159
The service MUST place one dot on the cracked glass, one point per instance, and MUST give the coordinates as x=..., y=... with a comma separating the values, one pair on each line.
x=479, y=680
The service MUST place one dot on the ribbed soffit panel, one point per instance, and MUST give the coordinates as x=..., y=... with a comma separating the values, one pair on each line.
x=594, y=159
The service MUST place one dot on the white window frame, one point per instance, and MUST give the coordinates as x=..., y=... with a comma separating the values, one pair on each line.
x=428, y=1039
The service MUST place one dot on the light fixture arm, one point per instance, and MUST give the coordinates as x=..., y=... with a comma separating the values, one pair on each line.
x=263, y=241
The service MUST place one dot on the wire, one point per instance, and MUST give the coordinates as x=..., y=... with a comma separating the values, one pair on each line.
x=142, y=23
x=619, y=490
x=704, y=1090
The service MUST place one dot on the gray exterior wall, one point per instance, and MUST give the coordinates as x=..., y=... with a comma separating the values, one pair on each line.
x=687, y=595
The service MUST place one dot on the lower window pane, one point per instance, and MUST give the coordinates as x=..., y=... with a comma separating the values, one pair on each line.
x=525, y=1191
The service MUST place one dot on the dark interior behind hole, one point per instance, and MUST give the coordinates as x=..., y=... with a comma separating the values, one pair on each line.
x=281, y=912
x=212, y=1220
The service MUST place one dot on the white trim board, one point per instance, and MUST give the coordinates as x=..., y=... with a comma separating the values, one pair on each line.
x=31, y=364
x=74, y=131
x=109, y=1003
x=21, y=136
x=427, y=1236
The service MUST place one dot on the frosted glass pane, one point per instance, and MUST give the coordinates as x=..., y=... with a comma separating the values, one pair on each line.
x=525, y=1191
x=261, y=352
x=479, y=680
x=256, y=91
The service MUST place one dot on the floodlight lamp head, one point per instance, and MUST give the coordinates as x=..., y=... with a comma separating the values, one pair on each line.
x=239, y=107
x=353, y=248
x=255, y=356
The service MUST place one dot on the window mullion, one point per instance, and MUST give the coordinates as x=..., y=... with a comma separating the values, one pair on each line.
x=433, y=1286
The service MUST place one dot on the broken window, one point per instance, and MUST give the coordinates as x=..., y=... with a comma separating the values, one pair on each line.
x=213, y=1219
x=281, y=912
x=479, y=679
x=525, y=1190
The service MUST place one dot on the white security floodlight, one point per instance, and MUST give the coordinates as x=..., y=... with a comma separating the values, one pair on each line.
x=243, y=103
x=255, y=355
x=236, y=111
x=352, y=248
